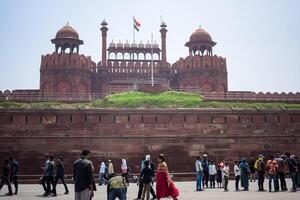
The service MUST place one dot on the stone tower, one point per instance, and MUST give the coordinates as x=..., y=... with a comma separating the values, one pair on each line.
x=202, y=70
x=66, y=73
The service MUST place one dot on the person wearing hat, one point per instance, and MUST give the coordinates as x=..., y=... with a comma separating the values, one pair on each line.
x=260, y=168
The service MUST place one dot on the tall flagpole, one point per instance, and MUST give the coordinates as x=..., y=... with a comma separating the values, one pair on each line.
x=152, y=81
x=133, y=29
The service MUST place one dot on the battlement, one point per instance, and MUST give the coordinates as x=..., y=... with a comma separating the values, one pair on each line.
x=197, y=62
x=253, y=96
x=64, y=60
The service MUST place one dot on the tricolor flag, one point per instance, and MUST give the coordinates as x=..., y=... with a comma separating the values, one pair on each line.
x=136, y=24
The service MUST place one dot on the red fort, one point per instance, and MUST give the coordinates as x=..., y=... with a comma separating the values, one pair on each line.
x=182, y=134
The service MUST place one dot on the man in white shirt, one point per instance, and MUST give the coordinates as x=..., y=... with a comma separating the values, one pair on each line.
x=199, y=173
x=225, y=173
x=237, y=174
x=212, y=174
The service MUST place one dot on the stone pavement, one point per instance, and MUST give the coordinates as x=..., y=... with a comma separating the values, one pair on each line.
x=187, y=192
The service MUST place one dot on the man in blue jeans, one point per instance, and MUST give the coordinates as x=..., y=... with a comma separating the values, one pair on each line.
x=116, y=187
x=199, y=173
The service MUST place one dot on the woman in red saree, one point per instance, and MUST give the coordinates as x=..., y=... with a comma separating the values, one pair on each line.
x=164, y=185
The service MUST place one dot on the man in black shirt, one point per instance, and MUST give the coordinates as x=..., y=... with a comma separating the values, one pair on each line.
x=60, y=174
x=5, y=177
x=14, y=170
x=292, y=169
x=83, y=177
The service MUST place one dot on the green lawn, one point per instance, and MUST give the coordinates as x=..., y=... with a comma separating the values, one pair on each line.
x=150, y=100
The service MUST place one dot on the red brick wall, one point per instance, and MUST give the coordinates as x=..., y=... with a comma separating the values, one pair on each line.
x=115, y=133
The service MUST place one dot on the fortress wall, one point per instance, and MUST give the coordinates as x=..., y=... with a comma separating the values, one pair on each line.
x=181, y=134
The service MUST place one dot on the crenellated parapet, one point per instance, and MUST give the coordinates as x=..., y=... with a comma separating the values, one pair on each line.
x=65, y=60
x=198, y=62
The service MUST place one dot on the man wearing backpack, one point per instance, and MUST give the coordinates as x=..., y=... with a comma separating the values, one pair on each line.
x=260, y=168
x=272, y=167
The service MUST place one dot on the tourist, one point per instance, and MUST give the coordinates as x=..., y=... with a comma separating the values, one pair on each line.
x=252, y=170
x=222, y=164
x=60, y=174
x=219, y=176
x=212, y=174
x=280, y=173
x=83, y=177
x=225, y=174
x=147, y=176
x=237, y=174
x=48, y=179
x=124, y=170
x=164, y=184
x=199, y=173
x=140, y=191
x=110, y=168
x=260, y=168
x=245, y=171
x=205, y=177
x=298, y=172
x=152, y=167
x=5, y=177
x=102, y=173
x=45, y=177
x=14, y=170
x=292, y=169
x=51, y=175
x=272, y=167
x=116, y=187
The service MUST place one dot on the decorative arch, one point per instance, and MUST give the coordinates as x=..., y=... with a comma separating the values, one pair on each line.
x=206, y=87
x=82, y=88
x=63, y=87
x=46, y=88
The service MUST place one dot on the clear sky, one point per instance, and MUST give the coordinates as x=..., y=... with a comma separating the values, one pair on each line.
x=259, y=38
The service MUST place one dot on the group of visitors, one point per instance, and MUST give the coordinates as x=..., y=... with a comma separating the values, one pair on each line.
x=10, y=175
x=275, y=169
x=117, y=185
x=53, y=172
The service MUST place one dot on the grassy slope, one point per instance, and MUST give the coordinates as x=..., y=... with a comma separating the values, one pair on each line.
x=149, y=100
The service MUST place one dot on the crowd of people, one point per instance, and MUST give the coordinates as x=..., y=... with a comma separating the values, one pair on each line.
x=208, y=175
x=275, y=169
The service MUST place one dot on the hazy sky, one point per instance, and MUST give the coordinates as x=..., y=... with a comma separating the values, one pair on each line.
x=259, y=38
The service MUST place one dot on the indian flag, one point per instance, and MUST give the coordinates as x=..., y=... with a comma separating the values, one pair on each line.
x=136, y=24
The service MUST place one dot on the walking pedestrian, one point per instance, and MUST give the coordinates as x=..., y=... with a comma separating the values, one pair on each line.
x=5, y=177
x=164, y=184
x=101, y=173
x=280, y=173
x=219, y=176
x=292, y=170
x=60, y=174
x=83, y=177
x=14, y=171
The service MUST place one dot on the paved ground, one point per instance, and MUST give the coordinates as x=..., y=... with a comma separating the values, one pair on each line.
x=187, y=192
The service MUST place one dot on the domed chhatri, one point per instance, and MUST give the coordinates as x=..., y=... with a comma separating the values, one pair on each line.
x=200, y=41
x=200, y=35
x=67, y=38
x=67, y=32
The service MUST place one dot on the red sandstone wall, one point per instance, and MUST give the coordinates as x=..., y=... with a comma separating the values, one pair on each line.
x=116, y=133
